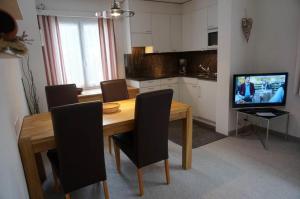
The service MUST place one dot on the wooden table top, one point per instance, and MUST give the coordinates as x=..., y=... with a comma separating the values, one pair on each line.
x=38, y=128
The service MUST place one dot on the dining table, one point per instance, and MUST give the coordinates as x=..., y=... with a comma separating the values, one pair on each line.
x=37, y=136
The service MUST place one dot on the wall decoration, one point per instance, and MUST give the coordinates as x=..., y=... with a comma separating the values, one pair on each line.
x=29, y=87
x=10, y=43
x=247, y=27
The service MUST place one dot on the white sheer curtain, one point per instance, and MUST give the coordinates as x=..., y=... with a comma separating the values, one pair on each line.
x=81, y=51
x=297, y=79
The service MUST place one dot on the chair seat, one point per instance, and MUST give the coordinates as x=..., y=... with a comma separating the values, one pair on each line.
x=125, y=142
x=53, y=157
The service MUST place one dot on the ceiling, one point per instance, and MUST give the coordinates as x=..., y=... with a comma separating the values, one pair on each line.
x=171, y=1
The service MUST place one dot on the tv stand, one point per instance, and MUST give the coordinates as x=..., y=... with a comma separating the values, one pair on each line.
x=265, y=114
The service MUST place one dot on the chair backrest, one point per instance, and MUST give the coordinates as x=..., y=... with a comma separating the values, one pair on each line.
x=60, y=95
x=152, y=114
x=114, y=90
x=78, y=134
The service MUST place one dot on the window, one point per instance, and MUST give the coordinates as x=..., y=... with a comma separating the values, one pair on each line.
x=81, y=51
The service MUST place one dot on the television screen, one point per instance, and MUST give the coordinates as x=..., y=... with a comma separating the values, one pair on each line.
x=259, y=90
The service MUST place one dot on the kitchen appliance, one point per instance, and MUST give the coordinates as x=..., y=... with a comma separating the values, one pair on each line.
x=213, y=38
x=182, y=66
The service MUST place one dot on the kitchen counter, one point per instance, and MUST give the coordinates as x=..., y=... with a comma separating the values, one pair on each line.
x=199, y=76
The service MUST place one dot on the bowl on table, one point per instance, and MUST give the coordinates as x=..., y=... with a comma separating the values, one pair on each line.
x=110, y=107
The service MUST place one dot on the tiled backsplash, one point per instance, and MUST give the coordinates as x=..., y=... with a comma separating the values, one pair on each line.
x=139, y=64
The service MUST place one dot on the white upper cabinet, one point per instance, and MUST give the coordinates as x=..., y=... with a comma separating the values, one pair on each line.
x=195, y=30
x=176, y=33
x=168, y=30
x=212, y=16
x=187, y=28
x=197, y=18
x=156, y=24
x=141, y=23
x=161, y=32
x=141, y=39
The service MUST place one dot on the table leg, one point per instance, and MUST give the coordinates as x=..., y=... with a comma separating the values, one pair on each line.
x=187, y=140
x=287, y=126
x=237, y=123
x=30, y=169
x=267, y=136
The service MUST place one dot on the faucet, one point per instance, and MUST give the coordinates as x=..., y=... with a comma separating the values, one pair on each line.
x=205, y=69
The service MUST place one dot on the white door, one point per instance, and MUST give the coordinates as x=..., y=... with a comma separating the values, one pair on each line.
x=161, y=32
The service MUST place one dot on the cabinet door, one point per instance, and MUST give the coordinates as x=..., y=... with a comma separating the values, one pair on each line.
x=176, y=33
x=149, y=89
x=212, y=16
x=189, y=95
x=161, y=32
x=187, y=30
x=207, y=100
x=199, y=33
x=175, y=89
x=140, y=23
x=141, y=39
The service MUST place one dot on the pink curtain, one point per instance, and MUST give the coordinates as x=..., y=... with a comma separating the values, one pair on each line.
x=108, y=48
x=52, y=50
x=297, y=75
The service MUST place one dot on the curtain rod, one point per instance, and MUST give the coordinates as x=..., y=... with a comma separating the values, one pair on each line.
x=60, y=13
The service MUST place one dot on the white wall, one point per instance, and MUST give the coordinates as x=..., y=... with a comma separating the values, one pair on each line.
x=277, y=28
x=29, y=24
x=13, y=107
x=272, y=48
x=235, y=55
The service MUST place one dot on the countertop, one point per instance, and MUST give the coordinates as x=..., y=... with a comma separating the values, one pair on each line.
x=209, y=78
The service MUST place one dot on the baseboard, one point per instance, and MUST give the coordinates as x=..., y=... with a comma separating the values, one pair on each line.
x=272, y=132
x=204, y=121
x=205, y=124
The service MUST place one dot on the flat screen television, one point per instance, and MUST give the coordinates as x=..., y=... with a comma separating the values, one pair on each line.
x=259, y=90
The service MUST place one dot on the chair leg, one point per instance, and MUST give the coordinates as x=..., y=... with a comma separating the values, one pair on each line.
x=56, y=182
x=105, y=189
x=167, y=169
x=109, y=144
x=141, y=183
x=68, y=196
x=117, y=157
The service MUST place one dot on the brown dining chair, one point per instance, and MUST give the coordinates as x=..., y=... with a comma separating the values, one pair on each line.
x=60, y=95
x=114, y=90
x=79, y=160
x=148, y=142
